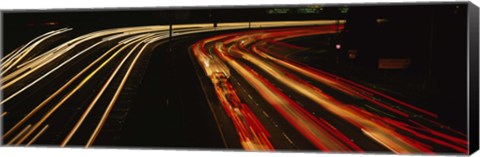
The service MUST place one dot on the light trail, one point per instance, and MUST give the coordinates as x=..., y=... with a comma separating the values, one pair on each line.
x=54, y=69
x=44, y=58
x=31, y=66
x=253, y=136
x=236, y=50
x=38, y=135
x=330, y=82
x=104, y=87
x=4, y=58
x=27, y=50
x=372, y=125
x=19, y=51
x=19, y=134
x=60, y=50
x=52, y=96
x=69, y=95
x=84, y=81
x=306, y=124
x=101, y=123
x=358, y=92
x=341, y=83
x=4, y=114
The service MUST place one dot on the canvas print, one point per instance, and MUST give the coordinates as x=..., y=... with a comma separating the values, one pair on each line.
x=359, y=78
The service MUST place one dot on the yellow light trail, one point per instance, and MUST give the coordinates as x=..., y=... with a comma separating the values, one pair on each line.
x=51, y=97
x=41, y=105
x=100, y=93
x=37, y=59
x=7, y=57
x=51, y=71
x=32, y=63
x=38, y=135
x=59, y=50
x=114, y=99
x=19, y=134
x=46, y=116
x=29, y=48
x=19, y=51
x=4, y=114
x=37, y=63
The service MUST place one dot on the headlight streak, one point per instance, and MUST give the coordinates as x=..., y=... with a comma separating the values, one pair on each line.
x=58, y=51
x=13, y=55
x=38, y=135
x=27, y=50
x=60, y=90
x=119, y=89
x=41, y=105
x=131, y=41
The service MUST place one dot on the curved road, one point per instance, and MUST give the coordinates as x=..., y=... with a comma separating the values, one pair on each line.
x=206, y=87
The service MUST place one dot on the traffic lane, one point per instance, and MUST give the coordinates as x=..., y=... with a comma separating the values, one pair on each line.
x=58, y=76
x=305, y=123
x=441, y=147
x=328, y=104
x=283, y=135
x=60, y=50
x=278, y=140
x=444, y=144
x=86, y=59
x=343, y=126
x=79, y=85
x=364, y=104
x=111, y=132
x=357, y=118
x=72, y=108
x=282, y=138
x=224, y=123
x=105, y=96
x=276, y=49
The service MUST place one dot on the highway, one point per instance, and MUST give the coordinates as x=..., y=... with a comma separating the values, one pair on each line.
x=231, y=86
x=332, y=113
x=64, y=94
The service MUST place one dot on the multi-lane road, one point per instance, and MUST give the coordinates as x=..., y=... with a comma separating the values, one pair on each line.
x=67, y=93
x=332, y=113
x=206, y=87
